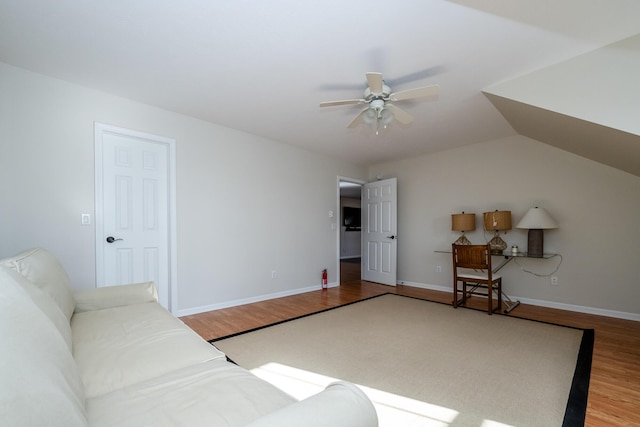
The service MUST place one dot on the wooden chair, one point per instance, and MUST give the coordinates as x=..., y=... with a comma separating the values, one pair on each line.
x=480, y=281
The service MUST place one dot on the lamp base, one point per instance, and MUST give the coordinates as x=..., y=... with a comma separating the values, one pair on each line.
x=535, y=241
x=497, y=245
x=462, y=240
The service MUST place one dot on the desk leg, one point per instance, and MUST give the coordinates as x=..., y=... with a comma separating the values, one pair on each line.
x=506, y=261
x=508, y=302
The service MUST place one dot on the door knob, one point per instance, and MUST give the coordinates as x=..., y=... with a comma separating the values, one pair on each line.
x=392, y=237
x=112, y=239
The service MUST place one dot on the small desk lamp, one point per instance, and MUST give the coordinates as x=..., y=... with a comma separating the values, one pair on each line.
x=497, y=221
x=463, y=222
x=536, y=220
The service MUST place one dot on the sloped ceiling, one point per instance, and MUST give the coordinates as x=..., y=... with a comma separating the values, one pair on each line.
x=263, y=67
x=588, y=105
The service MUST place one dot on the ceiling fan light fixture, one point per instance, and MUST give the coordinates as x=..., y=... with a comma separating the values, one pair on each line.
x=384, y=119
x=370, y=116
x=373, y=115
x=386, y=116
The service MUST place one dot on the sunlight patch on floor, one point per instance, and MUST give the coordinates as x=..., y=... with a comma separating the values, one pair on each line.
x=489, y=423
x=392, y=409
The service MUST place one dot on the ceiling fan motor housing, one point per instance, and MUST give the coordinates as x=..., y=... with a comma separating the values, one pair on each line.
x=369, y=96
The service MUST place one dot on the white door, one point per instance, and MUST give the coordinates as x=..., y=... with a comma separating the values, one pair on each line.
x=133, y=206
x=379, y=231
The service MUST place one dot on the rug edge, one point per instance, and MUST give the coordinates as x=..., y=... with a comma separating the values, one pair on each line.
x=280, y=322
x=576, y=411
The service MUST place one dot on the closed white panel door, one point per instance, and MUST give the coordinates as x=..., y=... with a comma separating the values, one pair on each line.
x=132, y=218
x=379, y=225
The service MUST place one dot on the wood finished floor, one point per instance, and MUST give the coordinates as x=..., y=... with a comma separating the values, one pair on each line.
x=614, y=390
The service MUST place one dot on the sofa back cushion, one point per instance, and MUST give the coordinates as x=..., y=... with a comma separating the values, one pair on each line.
x=44, y=302
x=39, y=380
x=120, y=346
x=44, y=270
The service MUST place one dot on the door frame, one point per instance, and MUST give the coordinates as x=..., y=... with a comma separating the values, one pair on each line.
x=99, y=130
x=339, y=220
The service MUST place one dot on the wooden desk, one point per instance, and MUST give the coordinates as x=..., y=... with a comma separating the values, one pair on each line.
x=508, y=257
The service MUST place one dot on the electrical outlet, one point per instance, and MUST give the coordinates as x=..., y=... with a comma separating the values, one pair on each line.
x=438, y=269
x=554, y=280
x=274, y=274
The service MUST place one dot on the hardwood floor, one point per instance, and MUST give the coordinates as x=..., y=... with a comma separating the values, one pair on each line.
x=614, y=390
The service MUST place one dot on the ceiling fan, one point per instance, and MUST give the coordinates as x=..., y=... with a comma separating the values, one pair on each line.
x=380, y=111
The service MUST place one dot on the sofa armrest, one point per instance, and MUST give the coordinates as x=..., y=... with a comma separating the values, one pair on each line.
x=341, y=404
x=115, y=296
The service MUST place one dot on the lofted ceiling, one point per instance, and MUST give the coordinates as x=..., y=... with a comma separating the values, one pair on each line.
x=263, y=67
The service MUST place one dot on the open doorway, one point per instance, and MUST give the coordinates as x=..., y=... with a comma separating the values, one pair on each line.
x=349, y=235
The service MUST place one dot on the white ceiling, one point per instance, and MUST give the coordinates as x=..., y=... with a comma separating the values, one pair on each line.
x=263, y=67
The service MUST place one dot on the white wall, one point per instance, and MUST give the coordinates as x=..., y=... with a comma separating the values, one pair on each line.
x=597, y=208
x=246, y=205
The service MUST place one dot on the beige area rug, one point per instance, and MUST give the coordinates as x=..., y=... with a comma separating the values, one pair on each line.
x=423, y=363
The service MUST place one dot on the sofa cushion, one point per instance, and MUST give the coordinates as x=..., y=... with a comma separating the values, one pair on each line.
x=120, y=346
x=115, y=296
x=44, y=270
x=215, y=393
x=39, y=381
x=44, y=302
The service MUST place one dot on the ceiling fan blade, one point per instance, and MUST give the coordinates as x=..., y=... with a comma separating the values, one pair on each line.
x=417, y=75
x=375, y=82
x=342, y=86
x=399, y=114
x=419, y=92
x=343, y=102
x=358, y=119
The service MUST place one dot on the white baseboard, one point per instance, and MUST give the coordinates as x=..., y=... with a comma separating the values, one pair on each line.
x=542, y=303
x=426, y=286
x=234, y=303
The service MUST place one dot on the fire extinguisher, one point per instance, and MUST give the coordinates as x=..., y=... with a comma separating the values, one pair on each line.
x=324, y=279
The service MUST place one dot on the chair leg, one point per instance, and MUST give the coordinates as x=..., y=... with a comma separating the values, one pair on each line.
x=464, y=293
x=455, y=293
x=490, y=297
x=500, y=294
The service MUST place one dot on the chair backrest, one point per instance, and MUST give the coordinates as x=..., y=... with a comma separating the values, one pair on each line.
x=477, y=257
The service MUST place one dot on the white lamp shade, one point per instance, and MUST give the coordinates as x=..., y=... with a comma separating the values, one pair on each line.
x=537, y=218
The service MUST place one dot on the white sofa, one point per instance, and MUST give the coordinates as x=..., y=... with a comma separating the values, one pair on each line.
x=114, y=357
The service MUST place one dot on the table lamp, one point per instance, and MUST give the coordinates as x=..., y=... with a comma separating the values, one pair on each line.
x=497, y=221
x=463, y=222
x=536, y=220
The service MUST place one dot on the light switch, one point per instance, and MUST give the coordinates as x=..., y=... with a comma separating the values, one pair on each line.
x=86, y=219
x=330, y=214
